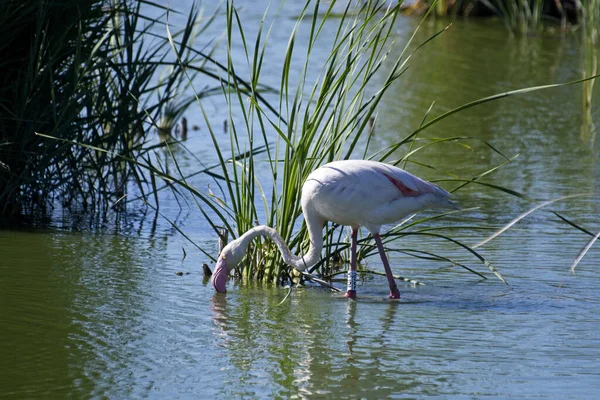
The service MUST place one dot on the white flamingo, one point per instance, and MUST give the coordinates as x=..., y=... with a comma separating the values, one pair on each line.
x=354, y=193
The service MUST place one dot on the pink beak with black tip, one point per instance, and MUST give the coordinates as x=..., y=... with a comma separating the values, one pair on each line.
x=220, y=276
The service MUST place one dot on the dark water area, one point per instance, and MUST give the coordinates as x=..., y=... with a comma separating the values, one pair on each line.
x=94, y=308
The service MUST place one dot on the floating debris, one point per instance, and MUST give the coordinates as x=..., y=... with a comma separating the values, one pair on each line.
x=184, y=128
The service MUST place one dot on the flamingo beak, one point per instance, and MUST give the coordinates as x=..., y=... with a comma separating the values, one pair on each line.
x=220, y=276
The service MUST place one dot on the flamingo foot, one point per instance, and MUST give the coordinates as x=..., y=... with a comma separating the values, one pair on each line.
x=394, y=293
x=350, y=294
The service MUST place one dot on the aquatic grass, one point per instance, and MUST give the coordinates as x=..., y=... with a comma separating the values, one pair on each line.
x=520, y=15
x=96, y=74
x=155, y=171
x=413, y=227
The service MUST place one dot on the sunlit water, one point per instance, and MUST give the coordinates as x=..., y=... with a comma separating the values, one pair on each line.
x=101, y=312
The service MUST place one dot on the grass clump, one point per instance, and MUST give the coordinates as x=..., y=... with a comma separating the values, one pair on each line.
x=90, y=72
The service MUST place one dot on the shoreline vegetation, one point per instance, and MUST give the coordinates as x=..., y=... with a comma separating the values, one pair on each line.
x=95, y=73
x=81, y=102
x=519, y=16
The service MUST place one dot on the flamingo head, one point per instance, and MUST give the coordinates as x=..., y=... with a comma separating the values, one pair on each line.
x=230, y=257
x=431, y=200
x=220, y=275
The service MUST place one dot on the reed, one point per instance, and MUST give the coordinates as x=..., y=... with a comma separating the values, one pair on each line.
x=88, y=72
x=521, y=15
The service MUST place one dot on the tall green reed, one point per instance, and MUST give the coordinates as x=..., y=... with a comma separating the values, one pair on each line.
x=87, y=72
x=520, y=16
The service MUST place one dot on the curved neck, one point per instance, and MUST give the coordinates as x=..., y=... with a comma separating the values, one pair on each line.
x=314, y=226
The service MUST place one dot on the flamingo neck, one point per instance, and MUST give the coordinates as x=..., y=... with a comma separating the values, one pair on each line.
x=312, y=256
x=314, y=225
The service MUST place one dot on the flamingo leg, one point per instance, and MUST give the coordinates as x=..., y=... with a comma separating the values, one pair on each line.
x=394, y=292
x=352, y=274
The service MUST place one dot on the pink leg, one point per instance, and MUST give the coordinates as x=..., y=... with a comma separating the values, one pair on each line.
x=352, y=274
x=394, y=292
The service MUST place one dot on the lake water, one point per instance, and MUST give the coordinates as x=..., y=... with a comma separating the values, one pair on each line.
x=96, y=310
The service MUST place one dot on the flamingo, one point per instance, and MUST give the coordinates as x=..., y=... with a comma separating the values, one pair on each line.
x=354, y=193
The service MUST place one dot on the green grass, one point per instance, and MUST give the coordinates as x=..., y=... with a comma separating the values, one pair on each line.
x=88, y=72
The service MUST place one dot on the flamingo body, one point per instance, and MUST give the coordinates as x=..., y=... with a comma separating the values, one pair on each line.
x=359, y=193
x=354, y=193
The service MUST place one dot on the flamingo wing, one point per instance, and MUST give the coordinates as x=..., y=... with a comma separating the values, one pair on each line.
x=366, y=193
